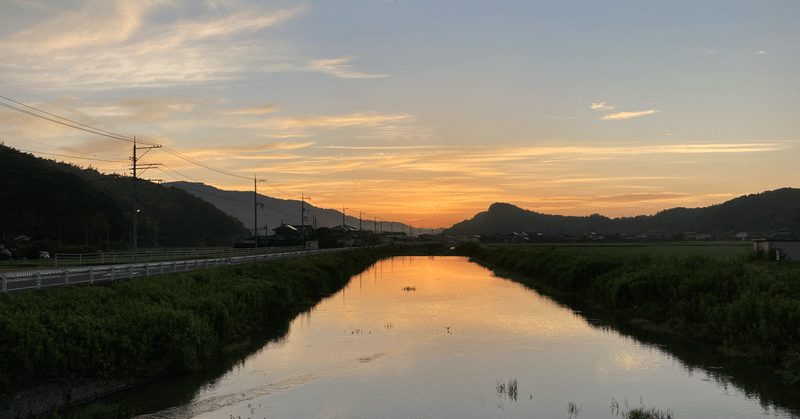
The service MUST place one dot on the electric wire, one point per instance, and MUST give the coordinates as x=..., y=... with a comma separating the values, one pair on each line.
x=71, y=125
x=109, y=159
x=94, y=130
x=74, y=157
x=114, y=135
x=235, y=200
x=58, y=106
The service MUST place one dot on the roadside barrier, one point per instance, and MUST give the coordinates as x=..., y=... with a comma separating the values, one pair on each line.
x=32, y=280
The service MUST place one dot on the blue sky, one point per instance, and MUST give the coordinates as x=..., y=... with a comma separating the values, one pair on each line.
x=423, y=112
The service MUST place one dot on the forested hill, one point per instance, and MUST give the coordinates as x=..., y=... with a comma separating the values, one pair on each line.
x=761, y=212
x=68, y=205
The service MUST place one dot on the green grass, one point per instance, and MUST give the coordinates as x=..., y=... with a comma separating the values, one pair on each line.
x=721, y=250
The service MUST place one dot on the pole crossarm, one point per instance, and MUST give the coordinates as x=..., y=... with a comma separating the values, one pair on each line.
x=144, y=167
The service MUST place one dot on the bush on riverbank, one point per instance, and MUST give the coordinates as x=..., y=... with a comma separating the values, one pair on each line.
x=160, y=323
x=743, y=306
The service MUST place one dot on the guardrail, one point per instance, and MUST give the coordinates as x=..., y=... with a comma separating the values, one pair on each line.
x=59, y=277
x=77, y=259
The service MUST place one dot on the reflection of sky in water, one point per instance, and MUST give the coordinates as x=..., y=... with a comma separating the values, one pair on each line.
x=441, y=350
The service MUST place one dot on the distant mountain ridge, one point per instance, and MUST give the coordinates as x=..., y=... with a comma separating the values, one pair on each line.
x=762, y=212
x=272, y=212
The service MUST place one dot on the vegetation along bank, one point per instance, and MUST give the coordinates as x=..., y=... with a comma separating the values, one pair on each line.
x=743, y=307
x=152, y=325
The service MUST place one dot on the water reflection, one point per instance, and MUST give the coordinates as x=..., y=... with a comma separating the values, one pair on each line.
x=442, y=337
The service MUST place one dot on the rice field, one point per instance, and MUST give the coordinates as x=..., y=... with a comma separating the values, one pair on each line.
x=719, y=250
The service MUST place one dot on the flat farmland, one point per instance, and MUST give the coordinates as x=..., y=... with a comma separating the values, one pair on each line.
x=717, y=250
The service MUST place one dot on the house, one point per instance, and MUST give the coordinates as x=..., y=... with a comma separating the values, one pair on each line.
x=287, y=231
x=344, y=234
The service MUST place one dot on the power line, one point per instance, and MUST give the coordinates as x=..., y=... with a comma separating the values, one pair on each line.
x=173, y=170
x=74, y=157
x=70, y=123
x=220, y=171
x=236, y=200
x=108, y=159
x=201, y=164
x=57, y=105
x=61, y=117
x=32, y=111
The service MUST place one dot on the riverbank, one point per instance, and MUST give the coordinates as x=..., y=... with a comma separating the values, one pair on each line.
x=745, y=309
x=137, y=330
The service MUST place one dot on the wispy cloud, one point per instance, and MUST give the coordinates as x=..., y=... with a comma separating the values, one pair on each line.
x=341, y=67
x=628, y=115
x=109, y=44
x=602, y=105
x=98, y=23
x=332, y=122
x=762, y=53
x=261, y=110
x=140, y=111
x=400, y=147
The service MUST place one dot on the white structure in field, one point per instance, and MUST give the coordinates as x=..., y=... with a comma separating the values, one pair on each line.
x=783, y=249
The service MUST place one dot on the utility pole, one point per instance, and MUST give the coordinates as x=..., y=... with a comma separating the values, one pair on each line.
x=135, y=160
x=255, y=213
x=303, y=221
x=359, y=221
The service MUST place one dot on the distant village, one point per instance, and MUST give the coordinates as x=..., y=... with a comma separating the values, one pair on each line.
x=349, y=236
x=321, y=238
x=650, y=237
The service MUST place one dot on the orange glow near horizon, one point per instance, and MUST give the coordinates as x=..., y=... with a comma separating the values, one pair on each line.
x=426, y=128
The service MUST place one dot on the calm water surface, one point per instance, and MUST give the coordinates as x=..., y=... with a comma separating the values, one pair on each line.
x=419, y=337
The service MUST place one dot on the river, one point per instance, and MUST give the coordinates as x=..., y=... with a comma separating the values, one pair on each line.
x=440, y=337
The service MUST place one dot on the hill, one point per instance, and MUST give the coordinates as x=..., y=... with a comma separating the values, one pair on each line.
x=763, y=212
x=70, y=205
x=273, y=212
x=42, y=201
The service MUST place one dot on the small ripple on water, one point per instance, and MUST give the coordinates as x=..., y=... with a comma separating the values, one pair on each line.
x=193, y=409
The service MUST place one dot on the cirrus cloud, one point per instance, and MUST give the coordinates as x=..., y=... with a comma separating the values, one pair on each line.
x=341, y=67
x=602, y=105
x=628, y=115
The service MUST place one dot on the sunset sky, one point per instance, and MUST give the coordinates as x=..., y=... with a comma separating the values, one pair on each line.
x=418, y=111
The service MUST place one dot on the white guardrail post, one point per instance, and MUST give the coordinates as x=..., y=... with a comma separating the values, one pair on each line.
x=160, y=267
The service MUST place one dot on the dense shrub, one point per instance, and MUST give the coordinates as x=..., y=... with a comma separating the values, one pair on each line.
x=171, y=321
x=742, y=305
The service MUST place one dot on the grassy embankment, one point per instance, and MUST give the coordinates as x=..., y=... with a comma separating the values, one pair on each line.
x=157, y=324
x=744, y=307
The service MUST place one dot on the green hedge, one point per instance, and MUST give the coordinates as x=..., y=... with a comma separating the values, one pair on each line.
x=157, y=323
